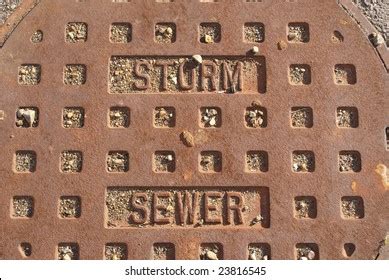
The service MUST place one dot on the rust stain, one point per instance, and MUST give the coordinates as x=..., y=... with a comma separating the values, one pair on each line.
x=354, y=186
x=382, y=170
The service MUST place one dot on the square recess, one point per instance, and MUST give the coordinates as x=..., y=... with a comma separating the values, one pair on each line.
x=347, y=117
x=74, y=74
x=69, y=207
x=257, y=161
x=259, y=251
x=301, y=117
x=348, y=249
x=29, y=74
x=210, y=117
x=68, y=251
x=164, y=162
x=345, y=74
x=210, y=161
x=298, y=32
x=119, y=117
x=164, y=251
x=165, y=32
x=37, y=37
x=76, y=32
x=73, y=117
x=71, y=161
x=210, y=32
x=118, y=161
x=349, y=161
x=25, y=249
x=211, y=251
x=305, y=207
x=27, y=117
x=303, y=161
x=307, y=251
x=254, y=32
x=352, y=207
x=25, y=162
x=120, y=32
x=115, y=251
x=299, y=74
x=22, y=207
x=256, y=117
x=164, y=117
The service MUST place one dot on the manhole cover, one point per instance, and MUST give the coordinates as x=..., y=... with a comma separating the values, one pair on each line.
x=191, y=130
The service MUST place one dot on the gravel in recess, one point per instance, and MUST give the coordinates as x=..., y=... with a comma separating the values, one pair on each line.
x=376, y=11
x=115, y=252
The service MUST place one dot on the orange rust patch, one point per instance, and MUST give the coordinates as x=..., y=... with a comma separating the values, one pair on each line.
x=354, y=186
x=382, y=170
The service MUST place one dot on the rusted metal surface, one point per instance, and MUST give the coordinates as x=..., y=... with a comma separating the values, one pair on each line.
x=60, y=128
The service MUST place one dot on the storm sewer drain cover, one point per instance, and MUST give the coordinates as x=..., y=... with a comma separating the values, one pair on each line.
x=191, y=130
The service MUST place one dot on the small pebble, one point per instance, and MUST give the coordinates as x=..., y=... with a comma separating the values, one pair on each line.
x=255, y=49
x=211, y=255
x=198, y=58
x=208, y=39
x=311, y=255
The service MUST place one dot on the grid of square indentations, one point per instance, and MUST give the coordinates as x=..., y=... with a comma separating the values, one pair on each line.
x=167, y=251
x=210, y=117
x=208, y=32
x=338, y=125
